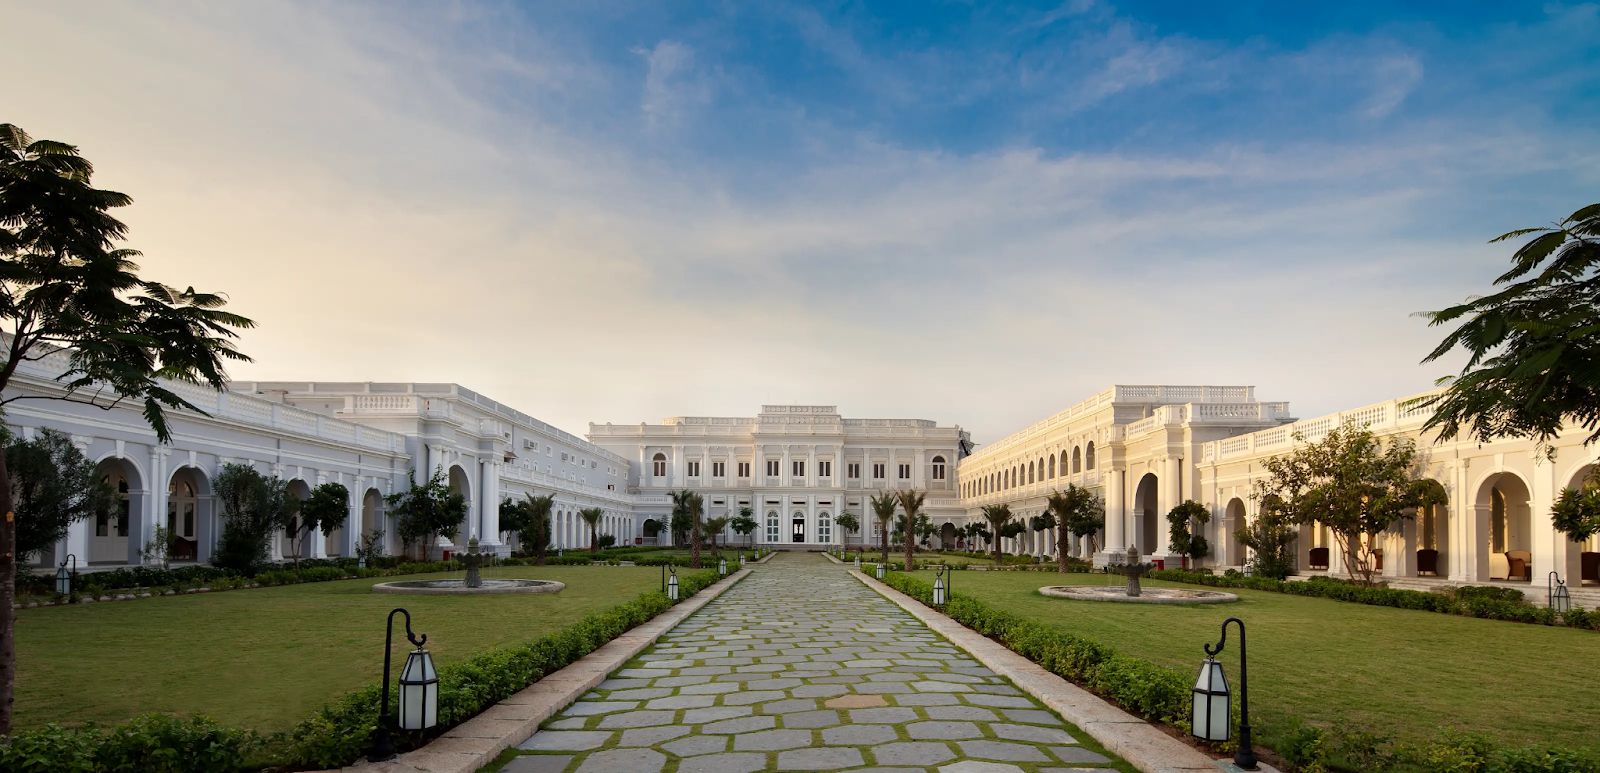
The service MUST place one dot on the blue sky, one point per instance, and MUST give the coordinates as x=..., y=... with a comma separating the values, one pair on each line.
x=975, y=213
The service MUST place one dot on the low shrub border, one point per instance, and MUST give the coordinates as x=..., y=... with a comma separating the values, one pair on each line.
x=1163, y=695
x=338, y=733
x=1468, y=601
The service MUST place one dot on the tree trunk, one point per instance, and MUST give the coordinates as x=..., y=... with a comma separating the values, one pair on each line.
x=594, y=540
x=8, y=596
x=997, y=544
x=694, y=546
x=1063, y=541
x=911, y=540
x=885, y=542
x=538, y=550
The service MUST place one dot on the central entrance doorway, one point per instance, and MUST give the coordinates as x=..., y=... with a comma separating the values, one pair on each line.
x=799, y=527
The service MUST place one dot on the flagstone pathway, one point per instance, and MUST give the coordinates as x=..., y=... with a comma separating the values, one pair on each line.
x=800, y=667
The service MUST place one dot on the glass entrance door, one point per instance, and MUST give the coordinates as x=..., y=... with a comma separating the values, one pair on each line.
x=799, y=530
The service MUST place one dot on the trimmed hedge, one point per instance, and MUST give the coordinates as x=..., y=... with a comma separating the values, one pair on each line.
x=337, y=734
x=1163, y=695
x=1468, y=601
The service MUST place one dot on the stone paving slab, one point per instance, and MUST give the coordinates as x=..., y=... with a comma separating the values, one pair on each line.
x=1148, y=748
x=821, y=674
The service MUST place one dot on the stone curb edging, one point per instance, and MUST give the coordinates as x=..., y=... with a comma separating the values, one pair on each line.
x=475, y=743
x=1135, y=740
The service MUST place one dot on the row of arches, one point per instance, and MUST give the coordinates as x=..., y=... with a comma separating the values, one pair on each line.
x=1045, y=468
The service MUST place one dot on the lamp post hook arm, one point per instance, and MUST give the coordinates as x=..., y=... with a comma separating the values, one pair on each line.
x=1221, y=643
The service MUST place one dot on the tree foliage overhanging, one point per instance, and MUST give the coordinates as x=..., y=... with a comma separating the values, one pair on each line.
x=1533, y=347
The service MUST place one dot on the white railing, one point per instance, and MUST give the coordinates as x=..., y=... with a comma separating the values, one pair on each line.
x=563, y=483
x=245, y=409
x=1387, y=416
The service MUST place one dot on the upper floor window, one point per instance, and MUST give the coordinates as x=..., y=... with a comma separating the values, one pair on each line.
x=694, y=469
x=877, y=470
x=1077, y=460
x=659, y=466
x=1052, y=466
x=1088, y=456
x=1030, y=472
x=744, y=469
x=799, y=468
x=719, y=469
x=824, y=469
x=905, y=472
x=772, y=468
x=852, y=470
x=938, y=468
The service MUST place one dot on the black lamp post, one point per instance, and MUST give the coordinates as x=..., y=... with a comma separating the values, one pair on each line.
x=1558, y=599
x=418, y=707
x=1210, y=721
x=65, y=581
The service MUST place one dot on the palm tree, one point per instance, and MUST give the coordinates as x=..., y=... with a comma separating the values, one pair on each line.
x=592, y=516
x=715, y=527
x=997, y=515
x=912, y=502
x=539, y=509
x=689, y=504
x=883, y=506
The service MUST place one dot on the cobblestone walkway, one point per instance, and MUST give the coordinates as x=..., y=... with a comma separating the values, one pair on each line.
x=800, y=667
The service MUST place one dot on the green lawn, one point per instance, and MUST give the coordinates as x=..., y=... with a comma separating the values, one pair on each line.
x=267, y=657
x=1392, y=671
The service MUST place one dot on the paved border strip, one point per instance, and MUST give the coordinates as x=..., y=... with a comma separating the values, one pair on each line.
x=1129, y=737
x=475, y=743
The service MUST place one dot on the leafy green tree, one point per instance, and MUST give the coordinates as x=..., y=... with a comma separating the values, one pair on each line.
x=327, y=509
x=911, y=502
x=883, y=507
x=1352, y=484
x=66, y=286
x=592, y=516
x=687, y=504
x=1577, y=512
x=1533, y=346
x=1081, y=514
x=850, y=522
x=998, y=516
x=540, y=525
x=925, y=530
x=1181, y=540
x=745, y=524
x=1270, y=537
x=52, y=486
x=607, y=540
x=426, y=511
x=514, y=517
x=715, y=527
x=254, y=507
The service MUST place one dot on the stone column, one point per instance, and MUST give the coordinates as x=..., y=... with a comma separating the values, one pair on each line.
x=352, y=523
x=489, y=536
x=1116, y=517
x=155, y=510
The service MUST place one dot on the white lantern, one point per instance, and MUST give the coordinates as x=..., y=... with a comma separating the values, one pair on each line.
x=938, y=590
x=722, y=568
x=858, y=563
x=419, y=692
x=1211, y=703
x=362, y=562
x=672, y=586
x=880, y=571
x=63, y=580
x=1559, y=599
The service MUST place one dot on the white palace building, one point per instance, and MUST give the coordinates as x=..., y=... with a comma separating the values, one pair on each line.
x=1143, y=449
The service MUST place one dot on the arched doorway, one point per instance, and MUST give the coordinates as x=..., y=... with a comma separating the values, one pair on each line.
x=373, y=538
x=1503, y=497
x=797, y=526
x=650, y=528
x=183, y=514
x=108, y=538
x=1232, y=521
x=290, y=541
x=1145, y=515
x=461, y=482
x=1582, y=560
x=772, y=526
x=1432, y=529
x=824, y=527
x=947, y=536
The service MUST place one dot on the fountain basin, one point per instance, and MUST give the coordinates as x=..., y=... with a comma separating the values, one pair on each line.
x=1119, y=593
x=459, y=587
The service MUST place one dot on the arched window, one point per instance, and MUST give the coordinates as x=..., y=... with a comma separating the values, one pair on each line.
x=1077, y=460
x=1064, y=467
x=1030, y=472
x=1088, y=456
x=938, y=468
x=181, y=505
x=1052, y=466
x=824, y=527
x=772, y=525
x=659, y=465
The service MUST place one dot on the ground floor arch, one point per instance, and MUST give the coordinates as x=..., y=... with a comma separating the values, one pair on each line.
x=109, y=535
x=1502, y=509
x=1145, y=515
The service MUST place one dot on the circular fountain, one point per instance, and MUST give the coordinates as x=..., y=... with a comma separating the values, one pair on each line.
x=1134, y=593
x=472, y=584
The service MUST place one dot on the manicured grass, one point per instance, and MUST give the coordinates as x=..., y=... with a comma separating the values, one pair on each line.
x=265, y=658
x=1392, y=671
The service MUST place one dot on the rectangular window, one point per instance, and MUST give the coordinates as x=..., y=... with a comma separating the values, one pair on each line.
x=905, y=472
x=799, y=469
x=744, y=469
x=877, y=470
x=694, y=469
x=772, y=468
x=719, y=469
x=852, y=470
x=824, y=469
